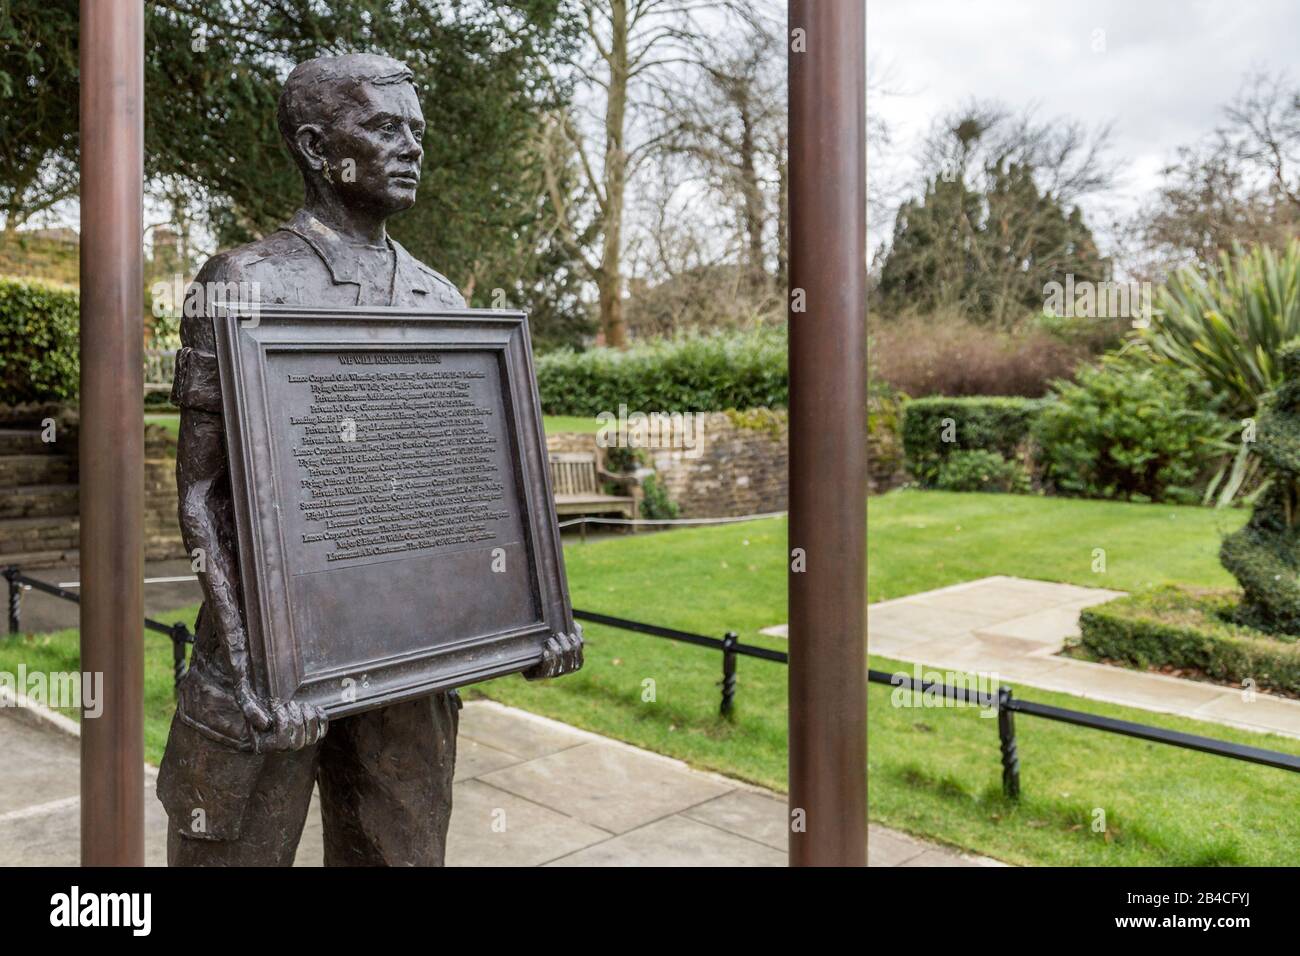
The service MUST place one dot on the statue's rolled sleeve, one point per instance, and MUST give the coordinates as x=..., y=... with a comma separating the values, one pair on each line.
x=197, y=384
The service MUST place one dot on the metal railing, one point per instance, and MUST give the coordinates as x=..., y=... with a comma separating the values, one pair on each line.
x=1004, y=700
x=1008, y=705
x=729, y=645
x=19, y=582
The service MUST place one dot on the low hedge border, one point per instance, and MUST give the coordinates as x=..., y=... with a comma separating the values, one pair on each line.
x=1190, y=628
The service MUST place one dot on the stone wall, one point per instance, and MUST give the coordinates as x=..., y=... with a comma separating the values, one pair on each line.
x=738, y=467
x=40, y=490
x=162, y=530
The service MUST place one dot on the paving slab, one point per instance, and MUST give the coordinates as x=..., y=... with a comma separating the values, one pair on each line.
x=546, y=809
x=676, y=841
x=890, y=848
x=990, y=603
x=503, y=730
x=39, y=767
x=921, y=622
x=635, y=787
x=473, y=758
x=759, y=816
x=1257, y=711
x=49, y=834
x=493, y=827
x=956, y=628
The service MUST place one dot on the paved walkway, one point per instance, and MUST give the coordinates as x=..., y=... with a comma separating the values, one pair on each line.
x=1015, y=627
x=529, y=791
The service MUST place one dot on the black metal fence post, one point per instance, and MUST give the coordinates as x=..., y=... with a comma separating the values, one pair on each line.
x=15, y=600
x=1007, y=739
x=180, y=637
x=729, y=642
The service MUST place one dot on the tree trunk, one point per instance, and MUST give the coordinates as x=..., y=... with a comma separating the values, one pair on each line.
x=782, y=219
x=610, y=280
x=753, y=192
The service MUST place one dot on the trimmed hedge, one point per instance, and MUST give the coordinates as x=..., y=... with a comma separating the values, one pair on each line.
x=39, y=359
x=699, y=374
x=1181, y=627
x=938, y=427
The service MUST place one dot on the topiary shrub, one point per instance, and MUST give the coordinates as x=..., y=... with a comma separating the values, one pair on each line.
x=938, y=427
x=981, y=471
x=1264, y=556
x=1129, y=430
x=39, y=359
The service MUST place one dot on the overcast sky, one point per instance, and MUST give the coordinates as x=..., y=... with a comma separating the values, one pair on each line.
x=1161, y=70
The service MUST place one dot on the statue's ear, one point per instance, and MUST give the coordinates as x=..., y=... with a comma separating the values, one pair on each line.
x=310, y=140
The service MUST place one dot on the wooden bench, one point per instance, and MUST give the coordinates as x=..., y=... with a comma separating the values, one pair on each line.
x=576, y=483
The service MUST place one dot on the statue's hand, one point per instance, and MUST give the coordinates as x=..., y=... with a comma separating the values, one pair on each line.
x=561, y=655
x=280, y=725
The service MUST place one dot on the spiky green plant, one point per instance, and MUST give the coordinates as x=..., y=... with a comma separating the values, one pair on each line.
x=1228, y=323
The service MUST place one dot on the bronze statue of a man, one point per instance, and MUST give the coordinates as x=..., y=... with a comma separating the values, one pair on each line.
x=238, y=772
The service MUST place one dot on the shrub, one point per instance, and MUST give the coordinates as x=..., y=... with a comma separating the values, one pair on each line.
x=655, y=503
x=1184, y=628
x=1129, y=430
x=38, y=342
x=884, y=434
x=695, y=374
x=981, y=471
x=1227, y=324
x=1264, y=555
x=935, y=428
x=945, y=354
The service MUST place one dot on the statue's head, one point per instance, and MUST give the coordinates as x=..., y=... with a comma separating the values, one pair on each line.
x=353, y=124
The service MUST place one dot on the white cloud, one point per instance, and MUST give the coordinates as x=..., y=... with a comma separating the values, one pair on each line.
x=1166, y=69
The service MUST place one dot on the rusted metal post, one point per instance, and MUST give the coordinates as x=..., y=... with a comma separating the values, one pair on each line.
x=729, y=655
x=1007, y=744
x=15, y=600
x=112, y=428
x=828, y=466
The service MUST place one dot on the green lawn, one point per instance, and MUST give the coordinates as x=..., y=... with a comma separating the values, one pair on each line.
x=171, y=421
x=933, y=772
x=920, y=540
x=554, y=424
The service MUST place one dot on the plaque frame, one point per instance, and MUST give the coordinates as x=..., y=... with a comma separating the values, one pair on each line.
x=245, y=338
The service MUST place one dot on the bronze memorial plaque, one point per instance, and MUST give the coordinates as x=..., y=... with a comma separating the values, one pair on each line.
x=392, y=500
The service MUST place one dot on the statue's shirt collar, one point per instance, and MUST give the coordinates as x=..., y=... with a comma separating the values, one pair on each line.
x=337, y=254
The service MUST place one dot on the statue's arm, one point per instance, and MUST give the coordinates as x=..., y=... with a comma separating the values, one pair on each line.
x=206, y=513
x=207, y=527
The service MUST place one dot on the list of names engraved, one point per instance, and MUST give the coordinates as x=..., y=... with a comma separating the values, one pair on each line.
x=395, y=451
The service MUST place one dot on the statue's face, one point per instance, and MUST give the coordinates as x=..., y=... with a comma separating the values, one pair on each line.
x=374, y=149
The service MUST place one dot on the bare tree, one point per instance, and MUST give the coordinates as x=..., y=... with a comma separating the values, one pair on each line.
x=1240, y=185
x=639, y=54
